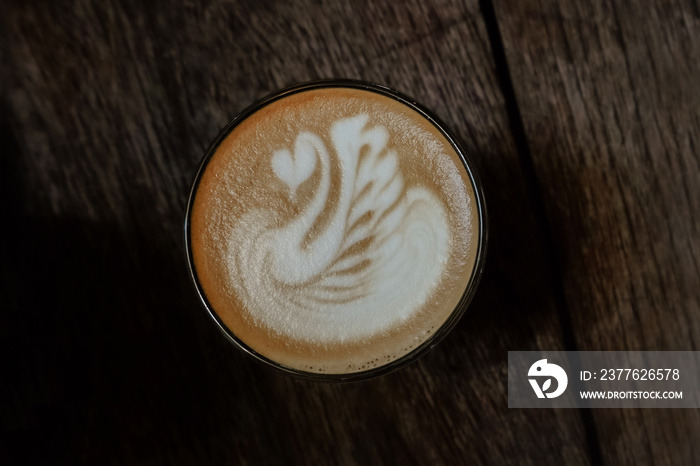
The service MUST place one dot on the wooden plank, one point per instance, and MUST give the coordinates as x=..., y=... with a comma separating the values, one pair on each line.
x=609, y=97
x=111, y=106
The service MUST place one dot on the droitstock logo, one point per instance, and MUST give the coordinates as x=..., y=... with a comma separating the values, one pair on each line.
x=545, y=372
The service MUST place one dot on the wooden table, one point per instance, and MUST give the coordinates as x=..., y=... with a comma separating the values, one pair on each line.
x=583, y=118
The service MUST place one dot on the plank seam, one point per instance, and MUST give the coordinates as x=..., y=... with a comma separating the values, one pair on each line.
x=534, y=190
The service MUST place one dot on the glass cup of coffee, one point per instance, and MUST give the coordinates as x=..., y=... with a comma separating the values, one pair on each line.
x=336, y=230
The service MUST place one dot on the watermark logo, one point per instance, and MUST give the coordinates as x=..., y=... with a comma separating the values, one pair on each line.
x=542, y=369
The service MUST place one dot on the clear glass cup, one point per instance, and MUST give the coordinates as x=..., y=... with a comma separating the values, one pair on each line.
x=481, y=240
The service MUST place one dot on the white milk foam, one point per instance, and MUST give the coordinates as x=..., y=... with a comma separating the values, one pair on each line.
x=324, y=290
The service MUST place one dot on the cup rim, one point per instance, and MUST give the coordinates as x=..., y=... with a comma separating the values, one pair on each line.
x=482, y=239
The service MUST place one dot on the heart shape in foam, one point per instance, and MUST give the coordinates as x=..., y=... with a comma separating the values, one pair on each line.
x=296, y=169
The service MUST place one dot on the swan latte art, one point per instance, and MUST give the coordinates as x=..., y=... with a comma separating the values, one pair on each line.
x=333, y=230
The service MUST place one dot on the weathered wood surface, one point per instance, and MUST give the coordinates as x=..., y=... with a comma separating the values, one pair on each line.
x=106, y=110
x=609, y=94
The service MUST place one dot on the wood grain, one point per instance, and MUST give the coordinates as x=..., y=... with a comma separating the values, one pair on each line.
x=610, y=104
x=107, y=108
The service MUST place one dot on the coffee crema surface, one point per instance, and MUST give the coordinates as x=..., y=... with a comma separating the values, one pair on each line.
x=333, y=230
